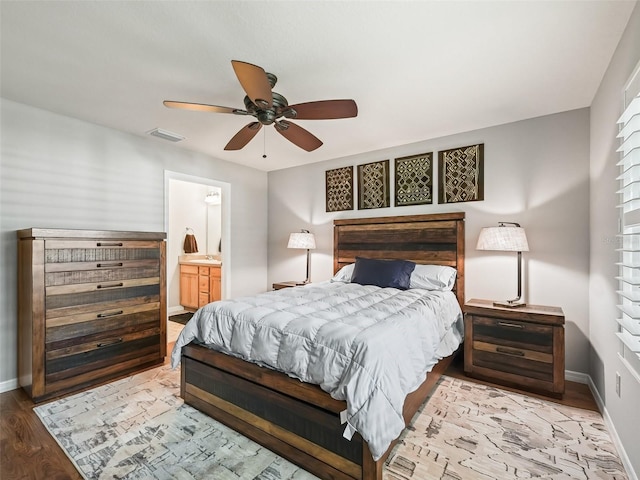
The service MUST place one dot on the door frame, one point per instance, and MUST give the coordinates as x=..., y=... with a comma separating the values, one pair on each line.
x=225, y=209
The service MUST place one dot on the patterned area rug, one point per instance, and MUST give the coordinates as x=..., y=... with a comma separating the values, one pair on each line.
x=472, y=431
x=139, y=428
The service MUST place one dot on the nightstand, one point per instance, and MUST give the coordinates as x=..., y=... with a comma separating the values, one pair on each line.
x=521, y=347
x=291, y=283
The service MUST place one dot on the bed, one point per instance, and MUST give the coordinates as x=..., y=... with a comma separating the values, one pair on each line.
x=301, y=421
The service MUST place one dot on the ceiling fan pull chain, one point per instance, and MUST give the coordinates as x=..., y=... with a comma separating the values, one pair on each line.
x=264, y=144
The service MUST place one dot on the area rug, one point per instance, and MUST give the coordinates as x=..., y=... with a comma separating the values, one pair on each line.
x=139, y=428
x=471, y=431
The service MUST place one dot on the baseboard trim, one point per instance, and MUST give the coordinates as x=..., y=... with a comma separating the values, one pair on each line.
x=577, y=377
x=8, y=385
x=174, y=310
x=611, y=427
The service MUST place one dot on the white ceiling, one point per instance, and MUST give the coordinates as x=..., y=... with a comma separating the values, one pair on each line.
x=417, y=69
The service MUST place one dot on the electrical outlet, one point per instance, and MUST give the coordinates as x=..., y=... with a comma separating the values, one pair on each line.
x=617, y=383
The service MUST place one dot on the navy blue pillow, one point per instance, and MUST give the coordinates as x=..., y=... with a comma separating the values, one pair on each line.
x=383, y=273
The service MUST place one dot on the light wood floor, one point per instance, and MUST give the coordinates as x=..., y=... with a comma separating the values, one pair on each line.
x=27, y=451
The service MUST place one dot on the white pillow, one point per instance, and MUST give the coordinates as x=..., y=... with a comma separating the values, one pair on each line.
x=433, y=277
x=344, y=274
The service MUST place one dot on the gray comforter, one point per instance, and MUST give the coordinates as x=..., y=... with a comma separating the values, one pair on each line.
x=366, y=345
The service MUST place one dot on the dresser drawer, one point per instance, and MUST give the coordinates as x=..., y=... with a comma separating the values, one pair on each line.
x=107, y=349
x=100, y=300
x=76, y=327
x=68, y=251
x=78, y=273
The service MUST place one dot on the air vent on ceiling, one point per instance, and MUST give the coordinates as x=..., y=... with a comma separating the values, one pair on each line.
x=166, y=135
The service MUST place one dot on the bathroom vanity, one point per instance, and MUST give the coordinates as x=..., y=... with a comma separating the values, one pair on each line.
x=200, y=281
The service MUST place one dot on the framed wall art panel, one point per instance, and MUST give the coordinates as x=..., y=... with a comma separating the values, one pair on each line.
x=414, y=180
x=373, y=185
x=339, y=187
x=461, y=174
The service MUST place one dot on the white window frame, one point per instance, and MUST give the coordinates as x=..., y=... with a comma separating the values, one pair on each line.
x=628, y=322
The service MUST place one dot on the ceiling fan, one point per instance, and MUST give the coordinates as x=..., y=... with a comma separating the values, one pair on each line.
x=271, y=108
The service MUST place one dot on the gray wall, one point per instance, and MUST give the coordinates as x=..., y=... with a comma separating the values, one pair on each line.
x=623, y=410
x=59, y=172
x=536, y=174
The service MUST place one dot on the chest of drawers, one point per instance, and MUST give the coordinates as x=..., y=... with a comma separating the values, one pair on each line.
x=91, y=306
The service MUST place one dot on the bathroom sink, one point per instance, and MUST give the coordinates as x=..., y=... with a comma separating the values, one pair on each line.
x=204, y=260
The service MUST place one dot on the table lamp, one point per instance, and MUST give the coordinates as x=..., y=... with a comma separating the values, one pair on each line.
x=506, y=237
x=305, y=240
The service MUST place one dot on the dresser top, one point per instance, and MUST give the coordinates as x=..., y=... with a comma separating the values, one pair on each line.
x=88, y=234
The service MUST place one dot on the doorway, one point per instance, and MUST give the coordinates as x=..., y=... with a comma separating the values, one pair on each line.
x=199, y=206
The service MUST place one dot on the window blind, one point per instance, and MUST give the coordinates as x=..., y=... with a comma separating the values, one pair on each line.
x=628, y=330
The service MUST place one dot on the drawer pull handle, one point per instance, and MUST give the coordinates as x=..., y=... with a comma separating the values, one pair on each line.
x=107, y=344
x=112, y=314
x=508, y=351
x=511, y=325
x=107, y=265
x=113, y=285
x=108, y=244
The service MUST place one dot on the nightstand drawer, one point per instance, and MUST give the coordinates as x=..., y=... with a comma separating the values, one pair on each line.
x=516, y=353
x=513, y=334
x=517, y=365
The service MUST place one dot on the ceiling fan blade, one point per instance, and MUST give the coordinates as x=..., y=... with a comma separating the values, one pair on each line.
x=324, y=110
x=298, y=135
x=201, y=107
x=244, y=136
x=255, y=82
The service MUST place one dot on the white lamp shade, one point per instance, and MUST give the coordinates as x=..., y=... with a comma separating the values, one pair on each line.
x=304, y=240
x=504, y=239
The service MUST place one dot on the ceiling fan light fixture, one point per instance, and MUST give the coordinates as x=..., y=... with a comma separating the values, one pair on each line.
x=289, y=113
x=166, y=135
x=262, y=103
x=282, y=125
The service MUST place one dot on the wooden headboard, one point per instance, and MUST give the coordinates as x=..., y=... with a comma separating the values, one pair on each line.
x=436, y=239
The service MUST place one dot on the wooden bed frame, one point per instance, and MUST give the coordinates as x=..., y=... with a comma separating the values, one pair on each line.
x=299, y=421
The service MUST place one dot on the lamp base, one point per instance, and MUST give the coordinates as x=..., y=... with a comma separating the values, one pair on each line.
x=510, y=304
